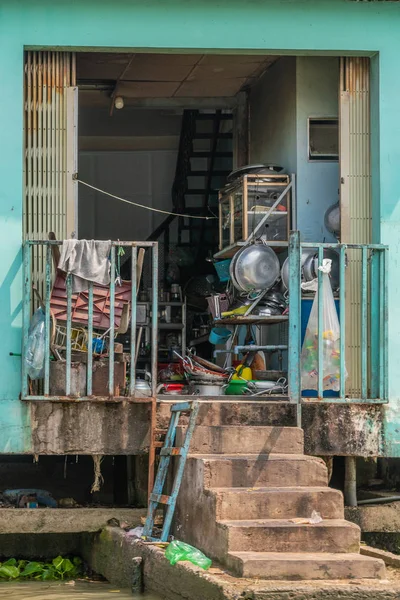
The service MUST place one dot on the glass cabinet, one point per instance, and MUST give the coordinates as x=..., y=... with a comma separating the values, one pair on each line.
x=244, y=203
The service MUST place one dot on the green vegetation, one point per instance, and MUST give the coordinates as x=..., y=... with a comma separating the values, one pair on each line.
x=58, y=568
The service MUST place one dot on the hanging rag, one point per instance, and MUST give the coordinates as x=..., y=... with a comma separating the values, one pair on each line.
x=86, y=261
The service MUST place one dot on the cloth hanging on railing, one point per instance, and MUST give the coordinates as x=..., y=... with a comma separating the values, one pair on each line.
x=86, y=261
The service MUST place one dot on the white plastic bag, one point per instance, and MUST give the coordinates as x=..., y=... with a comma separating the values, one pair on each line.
x=330, y=340
x=35, y=347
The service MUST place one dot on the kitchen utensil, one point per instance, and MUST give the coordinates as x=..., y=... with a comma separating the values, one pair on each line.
x=219, y=335
x=255, y=267
x=332, y=219
x=206, y=388
x=235, y=387
x=205, y=363
x=263, y=384
x=170, y=389
x=264, y=375
x=217, y=304
x=257, y=169
x=222, y=268
x=142, y=387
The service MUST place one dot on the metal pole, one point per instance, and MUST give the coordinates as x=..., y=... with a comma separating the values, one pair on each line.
x=26, y=313
x=320, y=325
x=294, y=378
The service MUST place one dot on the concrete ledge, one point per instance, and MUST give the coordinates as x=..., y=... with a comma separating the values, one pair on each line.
x=390, y=559
x=112, y=552
x=379, y=518
x=65, y=520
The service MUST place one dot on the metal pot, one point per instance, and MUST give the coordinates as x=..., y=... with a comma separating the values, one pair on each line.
x=143, y=387
x=332, y=219
x=201, y=388
x=254, y=267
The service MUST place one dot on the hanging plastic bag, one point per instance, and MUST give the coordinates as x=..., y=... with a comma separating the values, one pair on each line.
x=35, y=346
x=330, y=340
x=177, y=551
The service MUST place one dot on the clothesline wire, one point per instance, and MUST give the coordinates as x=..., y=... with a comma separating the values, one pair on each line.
x=159, y=210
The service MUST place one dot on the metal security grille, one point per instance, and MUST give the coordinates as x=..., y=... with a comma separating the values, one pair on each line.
x=355, y=198
x=49, y=131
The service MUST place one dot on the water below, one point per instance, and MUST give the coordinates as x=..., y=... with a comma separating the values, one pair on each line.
x=35, y=590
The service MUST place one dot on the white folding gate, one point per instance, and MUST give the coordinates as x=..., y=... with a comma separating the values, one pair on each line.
x=355, y=196
x=50, y=130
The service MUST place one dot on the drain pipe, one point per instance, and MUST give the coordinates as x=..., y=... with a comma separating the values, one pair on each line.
x=350, y=481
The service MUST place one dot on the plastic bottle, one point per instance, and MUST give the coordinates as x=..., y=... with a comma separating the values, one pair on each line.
x=177, y=551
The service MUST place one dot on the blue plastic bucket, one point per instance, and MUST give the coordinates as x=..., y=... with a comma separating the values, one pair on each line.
x=219, y=335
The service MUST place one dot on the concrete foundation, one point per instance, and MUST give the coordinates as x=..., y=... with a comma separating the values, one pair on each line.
x=123, y=428
x=110, y=553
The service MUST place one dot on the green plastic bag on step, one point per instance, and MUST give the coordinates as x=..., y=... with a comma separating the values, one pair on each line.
x=177, y=551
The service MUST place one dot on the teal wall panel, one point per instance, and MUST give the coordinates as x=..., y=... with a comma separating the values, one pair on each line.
x=276, y=26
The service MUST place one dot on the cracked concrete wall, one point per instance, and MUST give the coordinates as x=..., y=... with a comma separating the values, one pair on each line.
x=90, y=428
x=123, y=428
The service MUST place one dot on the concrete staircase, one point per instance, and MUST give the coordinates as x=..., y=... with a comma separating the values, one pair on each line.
x=244, y=492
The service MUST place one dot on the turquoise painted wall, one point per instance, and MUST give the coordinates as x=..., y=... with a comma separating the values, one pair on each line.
x=292, y=26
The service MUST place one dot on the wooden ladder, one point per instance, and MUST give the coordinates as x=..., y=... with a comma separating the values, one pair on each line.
x=167, y=451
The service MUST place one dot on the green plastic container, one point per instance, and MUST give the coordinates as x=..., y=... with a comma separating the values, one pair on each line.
x=235, y=387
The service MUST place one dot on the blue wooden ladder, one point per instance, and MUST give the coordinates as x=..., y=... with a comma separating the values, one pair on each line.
x=168, y=450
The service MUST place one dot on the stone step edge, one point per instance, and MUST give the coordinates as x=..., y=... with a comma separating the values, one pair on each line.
x=238, y=560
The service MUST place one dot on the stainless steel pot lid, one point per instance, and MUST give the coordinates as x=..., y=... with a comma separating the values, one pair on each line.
x=256, y=268
x=267, y=168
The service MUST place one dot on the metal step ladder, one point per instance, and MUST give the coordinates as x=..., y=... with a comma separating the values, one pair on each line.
x=167, y=451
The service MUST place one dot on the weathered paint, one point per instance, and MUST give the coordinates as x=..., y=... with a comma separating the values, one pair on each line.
x=277, y=26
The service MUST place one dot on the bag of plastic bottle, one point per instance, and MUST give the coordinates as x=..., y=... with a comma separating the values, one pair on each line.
x=36, y=345
x=330, y=341
x=177, y=551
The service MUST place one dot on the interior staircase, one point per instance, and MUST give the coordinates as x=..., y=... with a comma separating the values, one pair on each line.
x=204, y=160
x=246, y=494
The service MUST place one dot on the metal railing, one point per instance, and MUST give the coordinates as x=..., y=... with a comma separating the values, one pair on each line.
x=30, y=250
x=367, y=305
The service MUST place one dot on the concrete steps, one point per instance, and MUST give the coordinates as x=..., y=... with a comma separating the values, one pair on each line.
x=274, y=535
x=277, y=503
x=225, y=439
x=275, y=470
x=304, y=566
x=245, y=486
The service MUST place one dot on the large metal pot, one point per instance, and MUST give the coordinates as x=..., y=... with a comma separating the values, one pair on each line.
x=254, y=267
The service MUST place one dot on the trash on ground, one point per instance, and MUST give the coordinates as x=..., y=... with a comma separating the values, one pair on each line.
x=178, y=551
x=137, y=532
x=315, y=518
x=30, y=498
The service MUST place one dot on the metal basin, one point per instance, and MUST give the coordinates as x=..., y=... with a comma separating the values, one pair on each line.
x=255, y=267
